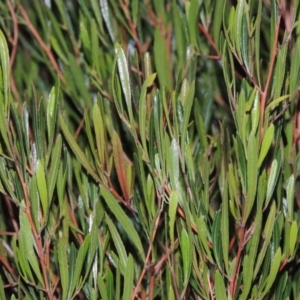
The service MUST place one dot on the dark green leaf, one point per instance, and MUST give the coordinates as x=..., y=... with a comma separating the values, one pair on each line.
x=123, y=219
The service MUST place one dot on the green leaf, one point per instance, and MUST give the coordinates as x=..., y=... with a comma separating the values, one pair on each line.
x=26, y=242
x=252, y=173
x=173, y=204
x=203, y=236
x=238, y=26
x=102, y=288
x=174, y=165
x=257, y=40
x=120, y=165
x=63, y=265
x=187, y=113
x=129, y=277
x=52, y=109
x=143, y=108
x=106, y=16
x=293, y=237
x=125, y=81
x=2, y=293
x=78, y=270
x=244, y=44
x=186, y=250
x=161, y=59
x=123, y=219
x=255, y=114
x=55, y=162
x=192, y=14
x=75, y=76
x=272, y=179
x=290, y=194
x=225, y=225
x=4, y=61
x=220, y=289
x=117, y=241
x=42, y=187
x=6, y=180
x=275, y=102
x=266, y=143
x=76, y=149
x=239, y=150
x=84, y=36
x=179, y=32
x=267, y=234
x=217, y=21
x=216, y=239
x=273, y=271
x=247, y=276
x=280, y=70
x=99, y=127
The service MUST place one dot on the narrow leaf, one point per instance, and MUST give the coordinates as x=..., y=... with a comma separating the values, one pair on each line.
x=123, y=219
x=219, y=286
x=120, y=164
x=76, y=149
x=161, y=59
x=186, y=250
x=117, y=241
x=42, y=187
x=293, y=237
x=252, y=173
x=272, y=179
x=143, y=108
x=267, y=141
x=173, y=204
x=124, y=78
x=128, y=281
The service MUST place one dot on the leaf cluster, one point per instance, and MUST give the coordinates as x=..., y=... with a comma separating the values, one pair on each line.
x=149, y=149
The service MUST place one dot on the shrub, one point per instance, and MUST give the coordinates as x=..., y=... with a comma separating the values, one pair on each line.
x=149, y=149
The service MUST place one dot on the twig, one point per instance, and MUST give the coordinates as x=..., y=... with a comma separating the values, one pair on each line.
x=14, y=43
x=45, y=47
x=148, y=255
x=264, y=93
x=233, y=280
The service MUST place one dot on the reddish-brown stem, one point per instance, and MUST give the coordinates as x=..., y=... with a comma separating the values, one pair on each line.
x=233, y=280
x=157, y=221
x=45, y=47
x=14, y=43
x=132, y=27
x=6, y=265
x=264, y=93
x=209, y=38
x=79, y=129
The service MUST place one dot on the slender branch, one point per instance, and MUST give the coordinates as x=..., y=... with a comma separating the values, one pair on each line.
x=264, y=93
x=233, y=280
x=45, y=47
x=148, y=254
x=14, y=43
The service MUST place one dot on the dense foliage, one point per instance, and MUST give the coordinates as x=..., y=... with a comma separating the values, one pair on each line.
x=149, y=149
